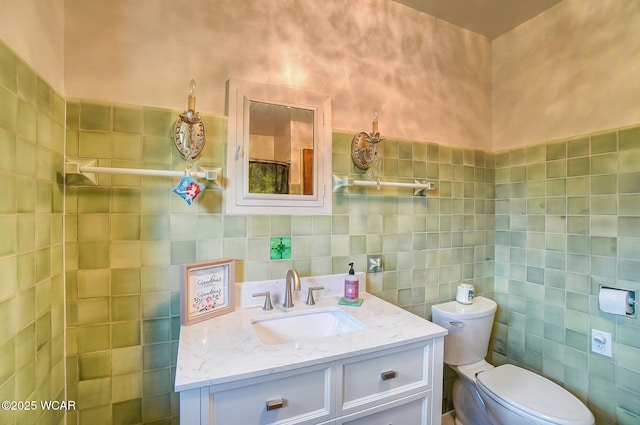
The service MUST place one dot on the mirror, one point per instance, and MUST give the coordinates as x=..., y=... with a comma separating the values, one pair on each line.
x=279, y=150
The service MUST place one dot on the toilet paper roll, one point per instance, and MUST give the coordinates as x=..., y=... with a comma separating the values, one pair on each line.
x=615, y=301
x=464, y=294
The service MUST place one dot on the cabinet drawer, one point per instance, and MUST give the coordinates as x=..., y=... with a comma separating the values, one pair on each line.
x=410, y=411
x=384, y=375
x=303, y=397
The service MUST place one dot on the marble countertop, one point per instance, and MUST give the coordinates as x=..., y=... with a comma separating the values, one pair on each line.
x=226, y=348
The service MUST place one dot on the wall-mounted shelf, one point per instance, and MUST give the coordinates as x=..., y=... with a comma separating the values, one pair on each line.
x=83, y=171
x=420, y=186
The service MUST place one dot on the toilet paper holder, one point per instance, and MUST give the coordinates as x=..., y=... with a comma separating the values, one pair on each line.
x=629, y=299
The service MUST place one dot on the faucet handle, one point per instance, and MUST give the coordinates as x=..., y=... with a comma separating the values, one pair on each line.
x=310, y=300
x=267, y=300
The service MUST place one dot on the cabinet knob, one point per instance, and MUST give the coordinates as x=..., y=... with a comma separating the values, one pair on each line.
x=275, y=404
x=389, y=374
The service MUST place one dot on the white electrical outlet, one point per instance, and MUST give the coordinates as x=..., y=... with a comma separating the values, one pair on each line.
x=601, y=342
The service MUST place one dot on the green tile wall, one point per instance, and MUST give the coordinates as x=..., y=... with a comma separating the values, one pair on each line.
x=31, y=242
x=126, y=238
x=567, y=221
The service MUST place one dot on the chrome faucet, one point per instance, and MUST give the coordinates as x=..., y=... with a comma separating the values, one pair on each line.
x=291, y=275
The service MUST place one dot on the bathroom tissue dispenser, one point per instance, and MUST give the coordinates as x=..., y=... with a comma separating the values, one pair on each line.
x=617, y=301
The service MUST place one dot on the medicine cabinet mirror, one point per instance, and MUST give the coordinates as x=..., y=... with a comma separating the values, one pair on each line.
x=278, y=150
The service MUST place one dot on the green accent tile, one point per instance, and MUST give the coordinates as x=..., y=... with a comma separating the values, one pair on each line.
x=280, y=248
x=556, y=169
x=155, y=227
x=95, y=117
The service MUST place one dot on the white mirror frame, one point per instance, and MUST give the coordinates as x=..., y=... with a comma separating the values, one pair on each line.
x=238, y=198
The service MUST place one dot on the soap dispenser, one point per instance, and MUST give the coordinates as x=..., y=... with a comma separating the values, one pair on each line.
x=351, y=285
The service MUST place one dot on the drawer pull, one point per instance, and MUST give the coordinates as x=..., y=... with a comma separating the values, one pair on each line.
x=389, y=374
x=275, y=404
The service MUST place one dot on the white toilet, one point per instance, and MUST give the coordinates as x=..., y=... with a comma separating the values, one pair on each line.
x=503, y=395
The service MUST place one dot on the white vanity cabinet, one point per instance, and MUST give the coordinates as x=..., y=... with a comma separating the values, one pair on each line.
x=400, y=385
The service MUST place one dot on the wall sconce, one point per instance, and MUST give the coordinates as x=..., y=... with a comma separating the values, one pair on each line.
x=364, y=150
x=189, y=138
x=190, y=133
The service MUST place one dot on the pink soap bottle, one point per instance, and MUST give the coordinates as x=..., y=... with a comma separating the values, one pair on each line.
x=351, y=285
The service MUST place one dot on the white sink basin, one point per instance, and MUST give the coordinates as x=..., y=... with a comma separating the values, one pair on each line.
x=302, y=325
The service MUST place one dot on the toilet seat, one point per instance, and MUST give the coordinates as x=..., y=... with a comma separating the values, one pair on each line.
x=516, y=389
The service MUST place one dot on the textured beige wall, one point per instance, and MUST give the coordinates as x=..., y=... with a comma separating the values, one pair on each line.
x=574, y=69
x=34, y=30
x=428, y=79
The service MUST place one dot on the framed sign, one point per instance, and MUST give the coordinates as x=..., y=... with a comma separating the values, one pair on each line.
x=207, y=290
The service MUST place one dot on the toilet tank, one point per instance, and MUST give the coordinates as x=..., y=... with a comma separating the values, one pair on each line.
x=469, y=327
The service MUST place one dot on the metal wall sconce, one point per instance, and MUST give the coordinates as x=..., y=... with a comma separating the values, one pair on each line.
x=364, y=150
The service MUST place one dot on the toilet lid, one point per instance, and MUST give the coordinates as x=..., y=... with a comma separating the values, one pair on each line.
x=534, y=394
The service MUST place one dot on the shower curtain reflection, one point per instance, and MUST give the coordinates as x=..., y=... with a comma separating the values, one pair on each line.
x=268, y=176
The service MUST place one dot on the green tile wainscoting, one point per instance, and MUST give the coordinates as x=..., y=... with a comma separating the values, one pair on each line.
x=31, y=242
x=567, y=221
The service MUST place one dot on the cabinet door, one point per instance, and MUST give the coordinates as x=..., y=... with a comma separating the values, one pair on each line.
x=409, y=411
x=302, y=397
x=370, y=380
